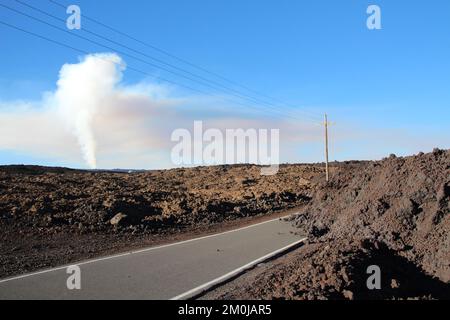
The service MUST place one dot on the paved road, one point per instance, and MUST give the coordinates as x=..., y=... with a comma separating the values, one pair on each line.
x=161, y=272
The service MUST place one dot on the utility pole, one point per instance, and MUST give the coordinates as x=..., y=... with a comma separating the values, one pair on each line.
x=326, y=148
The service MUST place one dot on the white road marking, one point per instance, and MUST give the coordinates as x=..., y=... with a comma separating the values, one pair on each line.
x=139, y=251
x=204, y=287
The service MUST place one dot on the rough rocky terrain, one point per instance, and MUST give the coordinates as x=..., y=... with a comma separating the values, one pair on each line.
x=51, y=216
x=392, y=213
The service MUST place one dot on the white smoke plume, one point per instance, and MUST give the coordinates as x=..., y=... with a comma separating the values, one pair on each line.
x=89, y=108
x=82, y=89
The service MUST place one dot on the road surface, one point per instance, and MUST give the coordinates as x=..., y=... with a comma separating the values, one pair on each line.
x=178, y=270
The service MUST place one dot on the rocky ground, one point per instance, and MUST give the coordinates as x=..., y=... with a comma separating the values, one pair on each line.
x=392, y=213
x=53, y=216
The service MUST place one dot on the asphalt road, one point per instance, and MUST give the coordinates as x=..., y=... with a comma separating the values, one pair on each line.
x=175, y=270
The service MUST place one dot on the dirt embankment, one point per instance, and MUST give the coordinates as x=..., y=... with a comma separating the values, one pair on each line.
x=50, y=216
x=392, y=213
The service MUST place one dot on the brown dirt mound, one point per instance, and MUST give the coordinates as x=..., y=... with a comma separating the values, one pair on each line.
x=392, y=213
x=401, y=202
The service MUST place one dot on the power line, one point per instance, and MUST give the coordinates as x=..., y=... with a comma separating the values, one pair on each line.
x=129, y=55
x=87, y=53
x=146, y=55
x=100, y=44
x=165, y=52
x=129, y=67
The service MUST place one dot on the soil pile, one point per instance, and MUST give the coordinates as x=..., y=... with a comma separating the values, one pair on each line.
x=392, y=213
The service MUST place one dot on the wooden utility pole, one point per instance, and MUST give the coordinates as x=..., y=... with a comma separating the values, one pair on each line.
x=326, y=149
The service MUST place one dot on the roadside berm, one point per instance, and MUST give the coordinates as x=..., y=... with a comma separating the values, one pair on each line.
x=393, y=214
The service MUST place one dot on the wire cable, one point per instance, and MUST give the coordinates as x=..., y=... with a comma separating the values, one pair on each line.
x=128, y=67
x=311, y=114
x=148, y=56
x=129, y=55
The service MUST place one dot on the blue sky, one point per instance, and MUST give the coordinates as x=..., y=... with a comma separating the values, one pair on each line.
x=391, y=85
